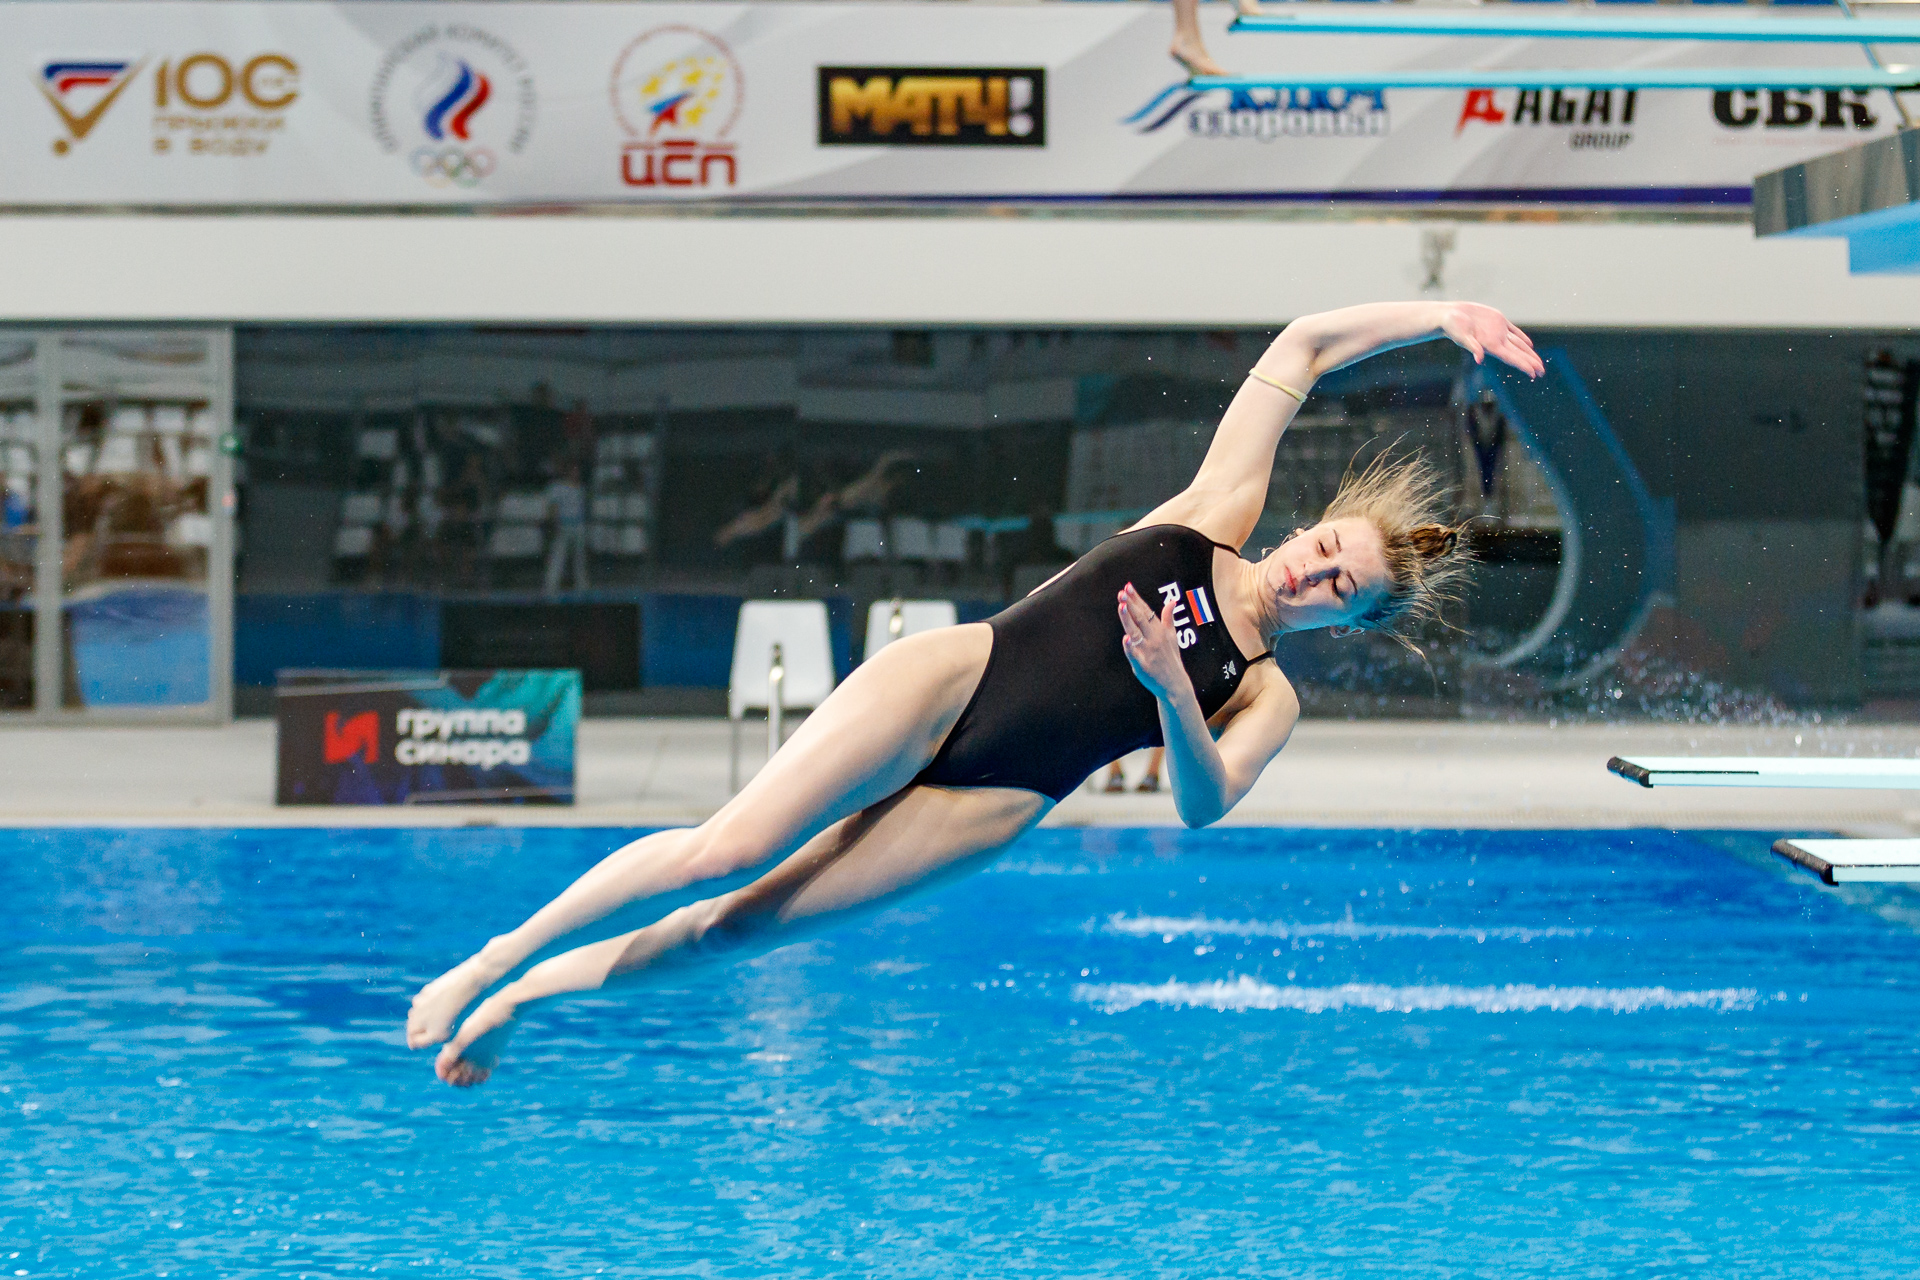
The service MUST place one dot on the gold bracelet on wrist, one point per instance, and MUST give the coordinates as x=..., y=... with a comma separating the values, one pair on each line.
x=1301, y=396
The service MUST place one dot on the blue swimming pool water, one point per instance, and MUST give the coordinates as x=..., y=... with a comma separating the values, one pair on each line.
x=1232, y=1053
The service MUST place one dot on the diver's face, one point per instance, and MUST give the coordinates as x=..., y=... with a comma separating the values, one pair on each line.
x=1331, y=575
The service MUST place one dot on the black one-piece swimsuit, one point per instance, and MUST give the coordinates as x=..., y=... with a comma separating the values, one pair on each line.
x=1058, y=698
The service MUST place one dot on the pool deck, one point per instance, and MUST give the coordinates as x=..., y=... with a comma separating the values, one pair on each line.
x=672, y=771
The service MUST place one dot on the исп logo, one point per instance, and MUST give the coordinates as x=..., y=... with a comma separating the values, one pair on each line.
x=677, y=93
x=1267, y=114
x=933, y=106
x=469, y=96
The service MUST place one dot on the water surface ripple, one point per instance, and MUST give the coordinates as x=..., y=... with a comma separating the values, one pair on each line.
x=1117, y=1053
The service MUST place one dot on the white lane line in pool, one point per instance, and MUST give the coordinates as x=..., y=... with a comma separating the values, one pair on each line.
x=1171, y=927
x=1243, y=993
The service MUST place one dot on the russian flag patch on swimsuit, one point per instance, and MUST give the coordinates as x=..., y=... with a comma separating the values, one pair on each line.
x=1199, y=606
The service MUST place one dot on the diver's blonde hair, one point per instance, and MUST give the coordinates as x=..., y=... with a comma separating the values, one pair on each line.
x=1407, y=501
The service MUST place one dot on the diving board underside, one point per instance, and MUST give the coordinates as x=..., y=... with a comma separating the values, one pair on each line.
x=1580, y=78
x=1341, y=19
x=1855, y=861
x=1769, y=771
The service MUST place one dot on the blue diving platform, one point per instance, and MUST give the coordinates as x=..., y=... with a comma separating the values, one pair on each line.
x=1869, y=194
x=1748, y=77
x=1530, y=23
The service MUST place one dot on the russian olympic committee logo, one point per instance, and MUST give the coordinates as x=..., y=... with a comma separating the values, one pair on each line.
x=677, y=93
x=455, y=99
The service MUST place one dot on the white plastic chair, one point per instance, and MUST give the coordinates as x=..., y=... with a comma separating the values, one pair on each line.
x=866, y=540
x=361, y=508
x=516, y=542
x=782, y=661
x=912, y=538
x=950, y=542
x=352, y=542
x=523, y=505
x=889, y=620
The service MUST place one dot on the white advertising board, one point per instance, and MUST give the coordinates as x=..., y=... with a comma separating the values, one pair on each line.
x=344, y=105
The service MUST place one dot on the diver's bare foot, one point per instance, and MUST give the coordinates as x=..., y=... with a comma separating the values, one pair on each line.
x=470, y=1057
x=441, y=1002
x=1193, y=55
x=1247, y=8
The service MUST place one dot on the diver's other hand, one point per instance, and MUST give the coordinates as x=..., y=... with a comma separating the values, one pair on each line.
x=1483, y=332
x=1151, y=645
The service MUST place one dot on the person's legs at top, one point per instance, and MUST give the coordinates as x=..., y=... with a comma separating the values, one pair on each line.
x=865, y=742
x=577, y=535
x=556, y=561
x=1189, y=49
x=911, y=841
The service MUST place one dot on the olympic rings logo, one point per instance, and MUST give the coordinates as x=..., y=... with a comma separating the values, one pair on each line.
x=452, y=166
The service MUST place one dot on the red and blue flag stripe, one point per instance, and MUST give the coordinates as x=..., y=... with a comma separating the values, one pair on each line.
x=1198, y=605
x=63, y=77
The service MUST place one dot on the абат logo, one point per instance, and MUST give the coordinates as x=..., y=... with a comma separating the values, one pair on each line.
x=1597, y=118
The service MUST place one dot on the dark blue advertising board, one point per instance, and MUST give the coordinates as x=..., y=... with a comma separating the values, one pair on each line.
x=427, y=737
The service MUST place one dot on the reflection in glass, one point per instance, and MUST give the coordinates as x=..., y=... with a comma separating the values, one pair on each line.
x=137, y=441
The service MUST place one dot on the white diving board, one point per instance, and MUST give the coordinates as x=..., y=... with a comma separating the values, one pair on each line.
x=1580, y=78
x=1769, y=771
x=1851, y=861
x=1514, y=22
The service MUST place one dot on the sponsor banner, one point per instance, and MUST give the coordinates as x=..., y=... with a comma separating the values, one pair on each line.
x=297, y=104
x=449, y=737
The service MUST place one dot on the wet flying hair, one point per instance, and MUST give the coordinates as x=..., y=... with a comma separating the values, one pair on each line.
x=1406, y=500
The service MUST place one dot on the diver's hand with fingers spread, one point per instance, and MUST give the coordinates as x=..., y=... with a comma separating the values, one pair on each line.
x=1150, y=645
x=1483, y=332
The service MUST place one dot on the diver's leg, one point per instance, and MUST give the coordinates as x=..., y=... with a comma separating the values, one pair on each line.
x=1188, y=49
x=922, y=837
x=865, y=742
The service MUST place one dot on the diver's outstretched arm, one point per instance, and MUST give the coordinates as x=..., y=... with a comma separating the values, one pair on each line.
x=1229, y=492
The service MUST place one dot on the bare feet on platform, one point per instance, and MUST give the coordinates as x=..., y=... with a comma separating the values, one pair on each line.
x=1193, y=55
x=470, y=1057
x=441, y=1002
x=1247, y=8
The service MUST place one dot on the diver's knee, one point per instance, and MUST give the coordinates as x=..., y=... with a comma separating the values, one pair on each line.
x=713, y=852
x=727, y=925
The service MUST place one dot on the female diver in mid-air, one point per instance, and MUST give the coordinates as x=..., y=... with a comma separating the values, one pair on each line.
x=941, y=749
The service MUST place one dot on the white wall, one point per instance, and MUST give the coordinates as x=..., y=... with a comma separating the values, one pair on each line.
x=1038, y=270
